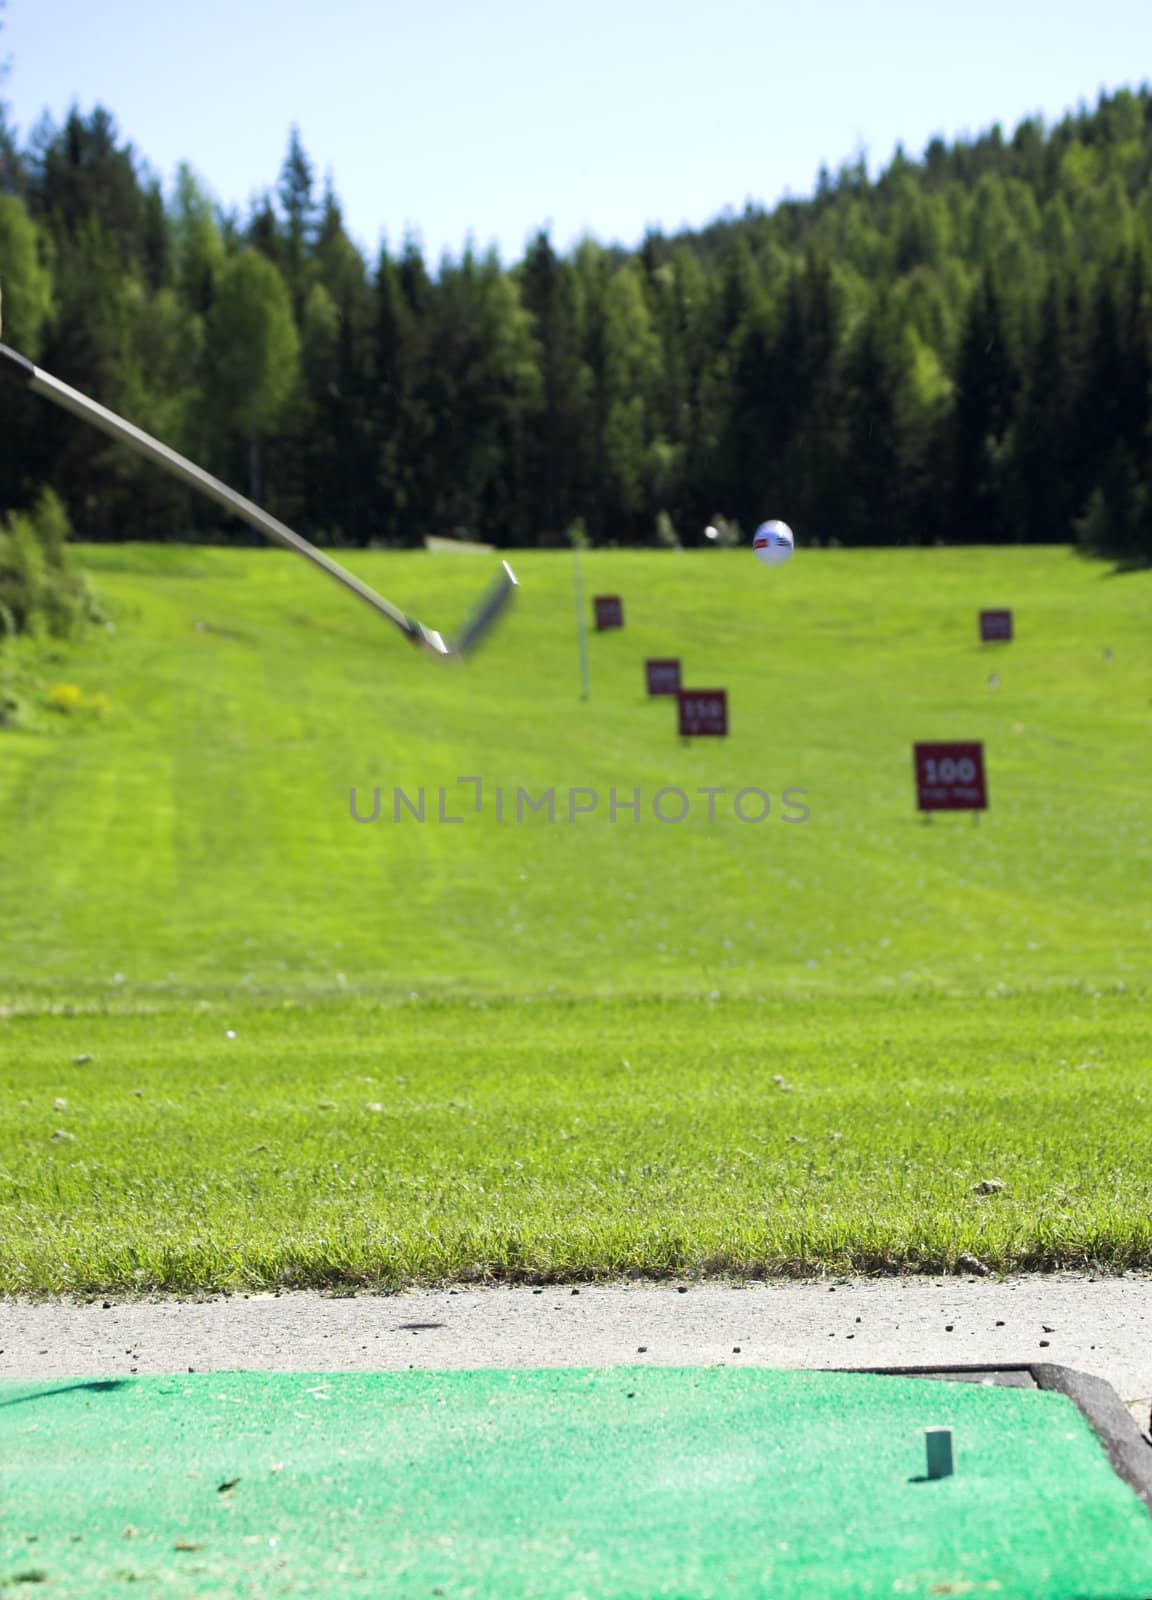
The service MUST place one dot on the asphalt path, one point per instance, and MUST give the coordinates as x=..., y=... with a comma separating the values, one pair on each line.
x=1098, y=1325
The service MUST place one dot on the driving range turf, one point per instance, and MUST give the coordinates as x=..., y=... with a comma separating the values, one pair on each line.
x=325, y=1052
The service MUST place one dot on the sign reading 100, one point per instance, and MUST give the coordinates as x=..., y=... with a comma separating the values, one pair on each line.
x=948, y=771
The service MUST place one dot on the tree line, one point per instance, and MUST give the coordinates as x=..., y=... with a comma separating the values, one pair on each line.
x=958, y=350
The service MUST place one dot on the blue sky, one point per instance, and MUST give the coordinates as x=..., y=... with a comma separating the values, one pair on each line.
x=491, y=118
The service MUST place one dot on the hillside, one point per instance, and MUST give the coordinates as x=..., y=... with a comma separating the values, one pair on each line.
x=957, y=349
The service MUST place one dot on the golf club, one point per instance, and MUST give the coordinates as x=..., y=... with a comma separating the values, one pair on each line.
x=491, y=605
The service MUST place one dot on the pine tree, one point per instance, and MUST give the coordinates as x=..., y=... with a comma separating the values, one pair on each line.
x=79, y=174
x=873, y=501
x=1045, y=493
x=195, y=242
x=558, y=464
x=628, y=379
x=402, y=426
x=298, y=203
x=986, y=387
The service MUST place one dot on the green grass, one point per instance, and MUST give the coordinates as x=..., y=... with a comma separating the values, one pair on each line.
x=573, y=1030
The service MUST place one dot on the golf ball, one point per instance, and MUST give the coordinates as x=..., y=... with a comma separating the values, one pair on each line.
x=772, y=543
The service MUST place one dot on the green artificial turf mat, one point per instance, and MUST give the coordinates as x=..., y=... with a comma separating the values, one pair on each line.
x=618, y=1482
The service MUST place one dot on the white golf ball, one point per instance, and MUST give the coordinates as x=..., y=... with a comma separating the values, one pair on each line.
x=772, y=543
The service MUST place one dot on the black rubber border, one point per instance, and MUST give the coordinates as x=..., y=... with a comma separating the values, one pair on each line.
x=1128, y=1450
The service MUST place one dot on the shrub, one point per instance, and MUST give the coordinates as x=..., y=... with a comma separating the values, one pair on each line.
x=1117, y=521
x=39, y=590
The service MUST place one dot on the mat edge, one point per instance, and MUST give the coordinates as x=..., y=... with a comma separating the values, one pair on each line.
x=1128, y=1451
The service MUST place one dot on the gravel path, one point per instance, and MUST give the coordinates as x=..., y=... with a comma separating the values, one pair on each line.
x=1097, y=1325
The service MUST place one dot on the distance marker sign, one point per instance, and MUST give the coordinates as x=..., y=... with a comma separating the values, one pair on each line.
x=950, y=777
x=995, y=627
x=662, y=677
x=609, y=611
x=703, y=712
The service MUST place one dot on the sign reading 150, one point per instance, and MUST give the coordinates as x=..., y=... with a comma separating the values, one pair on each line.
x=948, y=771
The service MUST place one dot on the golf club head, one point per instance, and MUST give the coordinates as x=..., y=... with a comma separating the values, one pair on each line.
x=428, y=639
x=491, y=607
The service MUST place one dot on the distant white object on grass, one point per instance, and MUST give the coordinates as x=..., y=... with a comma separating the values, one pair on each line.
x=711, y=533
x=773, y=543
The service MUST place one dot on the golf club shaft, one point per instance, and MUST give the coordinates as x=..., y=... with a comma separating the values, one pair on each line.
x=179, y=466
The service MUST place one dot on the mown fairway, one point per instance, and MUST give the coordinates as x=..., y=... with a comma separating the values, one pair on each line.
x=534, y=1048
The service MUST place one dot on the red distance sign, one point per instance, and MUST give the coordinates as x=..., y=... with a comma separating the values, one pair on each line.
x=703, y=712
x=995, y=627
x=950, y=777
x=663, y=677
x=609, y=611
